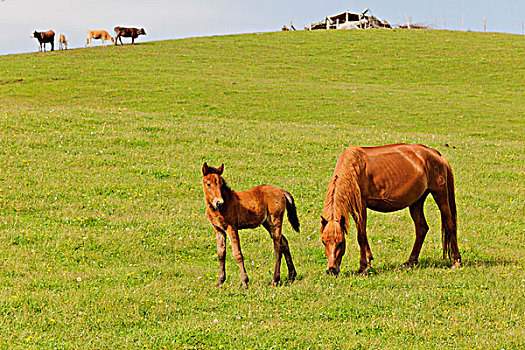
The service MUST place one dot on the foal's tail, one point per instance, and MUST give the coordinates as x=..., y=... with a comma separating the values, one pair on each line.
x=446, y=234
x=291, y=211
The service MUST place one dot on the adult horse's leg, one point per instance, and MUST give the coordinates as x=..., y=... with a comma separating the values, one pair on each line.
x=221, y=253
x=418, y=215
x=285, y=249
x=233, y=234
x=365, y=252
x=450, y=242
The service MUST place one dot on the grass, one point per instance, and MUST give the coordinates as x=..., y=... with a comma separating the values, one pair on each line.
x=103, y=238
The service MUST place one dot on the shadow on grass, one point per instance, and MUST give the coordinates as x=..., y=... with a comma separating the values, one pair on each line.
x=431, y=263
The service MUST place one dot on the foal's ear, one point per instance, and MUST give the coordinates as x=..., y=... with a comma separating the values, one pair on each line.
x=205, y=169
x=220, y=169
x=323, y=221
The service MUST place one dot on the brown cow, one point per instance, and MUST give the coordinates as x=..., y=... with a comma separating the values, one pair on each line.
x=128, y=32
x=98, y=34
x=43, y=38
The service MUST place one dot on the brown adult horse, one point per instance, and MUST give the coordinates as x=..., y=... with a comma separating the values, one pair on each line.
x=230, y=211
x=385, y=179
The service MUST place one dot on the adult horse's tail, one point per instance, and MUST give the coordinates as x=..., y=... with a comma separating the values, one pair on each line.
x=291, y=211
x=446, y=234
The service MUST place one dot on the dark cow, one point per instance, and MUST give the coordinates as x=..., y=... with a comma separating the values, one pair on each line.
x=43, y=38
x=127, y=33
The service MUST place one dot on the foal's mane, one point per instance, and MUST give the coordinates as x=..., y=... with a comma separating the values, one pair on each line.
x=343, y=195
x=213, y=170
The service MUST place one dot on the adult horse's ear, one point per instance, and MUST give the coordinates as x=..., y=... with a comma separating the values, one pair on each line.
x=221, y=169
x=323, y=221
x=205, y=169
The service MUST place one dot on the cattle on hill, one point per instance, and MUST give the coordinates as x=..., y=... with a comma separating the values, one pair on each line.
x=132, y=33
x=98, y=34
x=62, y=42
x=43, y=38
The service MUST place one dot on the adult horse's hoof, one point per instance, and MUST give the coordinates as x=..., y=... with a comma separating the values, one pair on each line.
x=364, y=271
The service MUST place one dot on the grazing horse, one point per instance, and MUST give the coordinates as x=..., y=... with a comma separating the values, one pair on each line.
x=229, y=211
x=43, y=38
x=385, y=179
x=127, y=33
x=98, y=34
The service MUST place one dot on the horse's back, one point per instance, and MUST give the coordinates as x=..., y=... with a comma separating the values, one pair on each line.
x=401, y=156
x=392, y=177
x=255, y=205
x=267, y=194
x=262, y=200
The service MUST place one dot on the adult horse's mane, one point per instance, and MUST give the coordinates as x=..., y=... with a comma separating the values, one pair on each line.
x=344, y=194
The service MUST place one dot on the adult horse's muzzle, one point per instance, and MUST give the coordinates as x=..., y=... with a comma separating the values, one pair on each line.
x=332, y=271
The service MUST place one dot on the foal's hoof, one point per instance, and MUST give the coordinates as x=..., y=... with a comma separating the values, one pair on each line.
x=456, y=265
x=291, y=276
x=410, y=263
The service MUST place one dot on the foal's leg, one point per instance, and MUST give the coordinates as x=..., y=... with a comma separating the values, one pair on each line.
x=233, y=234
x=221, y=253
x=285, y=249
x=448, y=224
x=418, y=215
x=274, y=226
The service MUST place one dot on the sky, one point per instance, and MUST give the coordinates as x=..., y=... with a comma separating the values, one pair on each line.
x=174, y=19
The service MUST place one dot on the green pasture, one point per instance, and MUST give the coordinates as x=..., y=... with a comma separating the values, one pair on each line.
x=103, y=239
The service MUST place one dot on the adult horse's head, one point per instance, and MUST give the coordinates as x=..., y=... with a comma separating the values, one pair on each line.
x=333, y=237
x=212, y=183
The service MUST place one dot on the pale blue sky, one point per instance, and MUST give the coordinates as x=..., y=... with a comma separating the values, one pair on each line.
x=171, y=19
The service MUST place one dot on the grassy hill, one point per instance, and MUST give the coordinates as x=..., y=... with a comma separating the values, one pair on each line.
x=103, y=238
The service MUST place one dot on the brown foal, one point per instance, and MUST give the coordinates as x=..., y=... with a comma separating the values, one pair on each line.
x=230, y=211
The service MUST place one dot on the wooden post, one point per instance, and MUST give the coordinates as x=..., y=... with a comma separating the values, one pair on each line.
x=327, y=23
x=484, y=23
x=346, y=16
x=408, y=23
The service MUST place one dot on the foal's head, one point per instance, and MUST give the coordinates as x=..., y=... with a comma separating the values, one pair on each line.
x=333, y=237
x=212, y=183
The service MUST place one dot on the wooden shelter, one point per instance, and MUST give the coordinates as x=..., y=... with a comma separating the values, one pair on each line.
x=350, y=20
